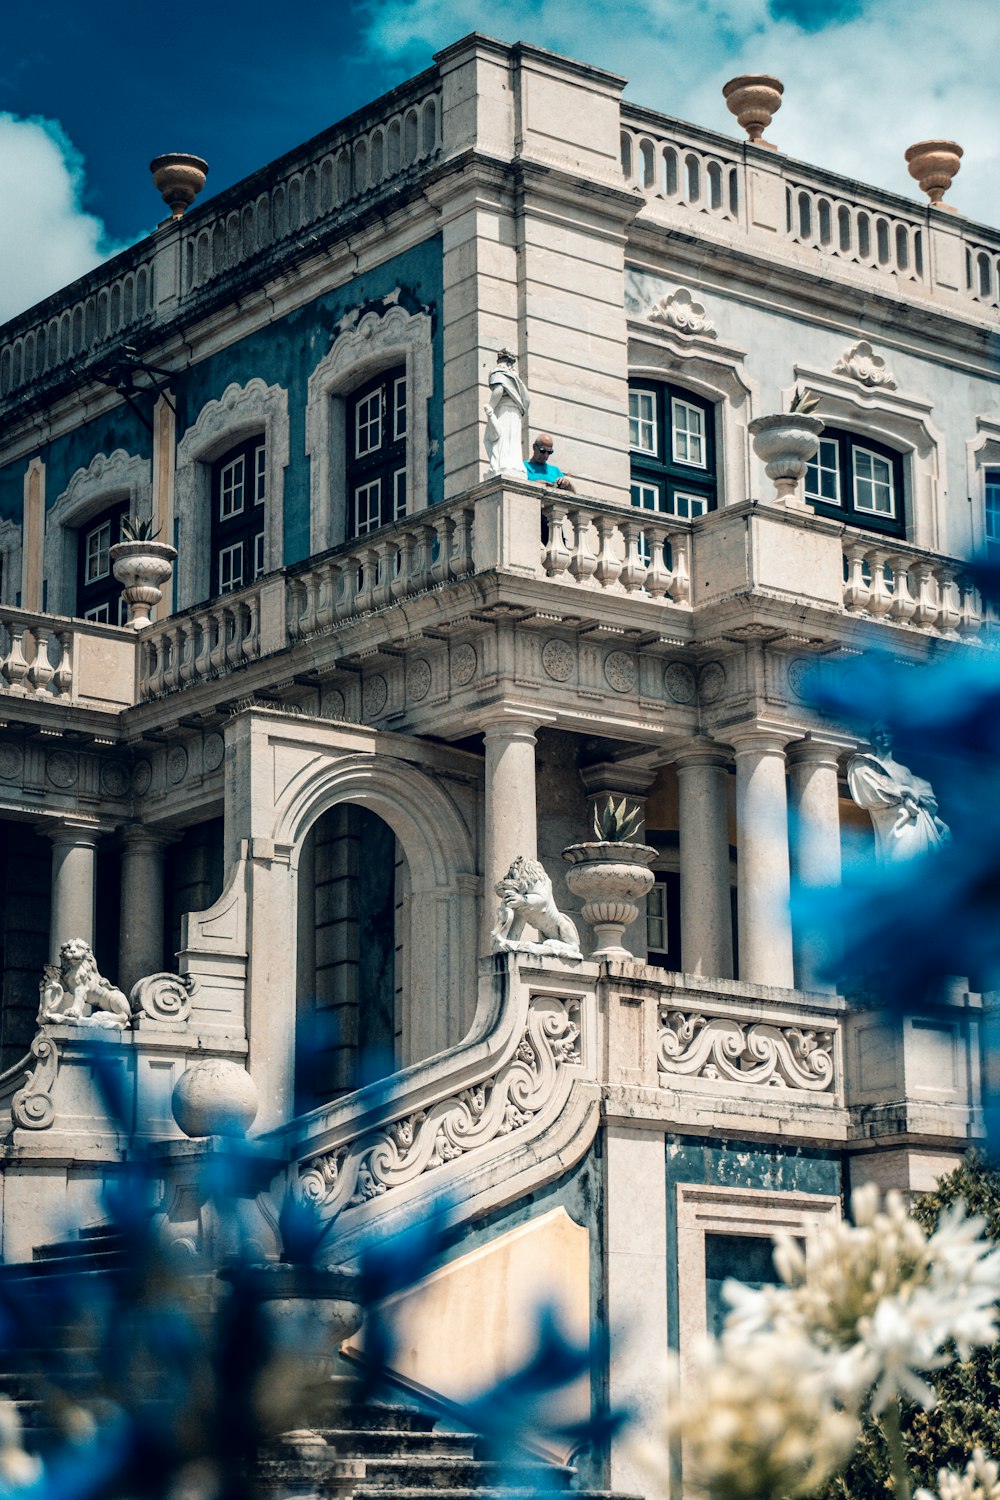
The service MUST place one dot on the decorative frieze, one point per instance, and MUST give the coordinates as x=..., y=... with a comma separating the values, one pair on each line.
x=728, y=1049
x=470, y=1119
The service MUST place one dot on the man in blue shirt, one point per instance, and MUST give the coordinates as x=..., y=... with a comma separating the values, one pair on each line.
x=540, y=470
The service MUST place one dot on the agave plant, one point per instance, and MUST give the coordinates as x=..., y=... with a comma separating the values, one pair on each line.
x=139, y=529
x=804, y=403
x=616, y=824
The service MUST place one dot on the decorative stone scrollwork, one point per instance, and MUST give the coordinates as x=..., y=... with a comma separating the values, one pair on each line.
x=469, y=1120
x=864, y=365
x=721, y=1047
x=164, y=997
x=32, y=1107
x=681, y=312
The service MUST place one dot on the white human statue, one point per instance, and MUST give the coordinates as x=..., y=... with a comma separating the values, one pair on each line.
x=73, y=992
x=505, y=414
x=526, y=900
x=903, y=807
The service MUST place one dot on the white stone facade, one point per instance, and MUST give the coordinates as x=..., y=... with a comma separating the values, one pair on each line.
x=297, y=796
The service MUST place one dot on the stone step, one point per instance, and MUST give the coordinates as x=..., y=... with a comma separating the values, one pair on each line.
x=94, y=1240
x=396, y=1442
x=432, y=1472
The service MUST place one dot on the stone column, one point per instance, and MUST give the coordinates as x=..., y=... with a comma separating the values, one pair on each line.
x=706, y=910
x=74, y=851
x=511, y=822
x=812, y=772
x=140, y=948
x=763, y=876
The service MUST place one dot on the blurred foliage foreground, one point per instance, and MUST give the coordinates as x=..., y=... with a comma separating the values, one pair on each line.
x=173, y=1374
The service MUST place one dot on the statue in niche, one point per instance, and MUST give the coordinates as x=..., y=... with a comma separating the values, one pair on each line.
x=903, y=807
x=526, y=900
x=73, y=992
x=505, y=414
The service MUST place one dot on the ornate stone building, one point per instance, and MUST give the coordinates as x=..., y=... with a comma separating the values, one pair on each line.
x=381, y=672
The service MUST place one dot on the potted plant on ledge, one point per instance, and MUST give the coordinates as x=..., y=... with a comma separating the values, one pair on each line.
x=611, y=876
x=785, y=443
x=143, y=565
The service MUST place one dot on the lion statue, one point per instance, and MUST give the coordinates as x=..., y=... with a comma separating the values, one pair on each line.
x=74, y=992
x=526, y=900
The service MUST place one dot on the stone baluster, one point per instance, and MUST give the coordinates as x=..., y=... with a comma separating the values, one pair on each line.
x=347, y=588
x=184, y=636
x=970, y=611
x=815, y=799
x=40, y=672
x=855, y=587
x=659, y=577
x=461, y=544
x=217, y=647
x=926, y=610
x=904, y=606
x=367, y=575
x=583, y=563
x=556, y=555
x=301, y=606
x=16, y=665
x=949, y=613
x=763, y=874
x=386, y=552
x=680, y=581
x=441, y=566
x=324, y=584
x=634, y=570
x=62, y=678
x=706, y=910
x=879, y=594
x=402, y=580
x=609, y=564
x=203, y=648
x=511, y=822
x=74, y=854
x=140, y=946
x=423, y=561
x=171, y=665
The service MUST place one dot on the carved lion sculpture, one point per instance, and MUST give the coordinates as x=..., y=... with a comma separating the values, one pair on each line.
x=526, y=900
x=74, y=991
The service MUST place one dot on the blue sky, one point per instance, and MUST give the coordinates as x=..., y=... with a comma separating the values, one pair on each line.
x=89, y=92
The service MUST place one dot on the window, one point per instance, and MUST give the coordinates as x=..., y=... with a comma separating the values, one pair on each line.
x=98, y=592
x=993, y=514
x=376, y=458
x=858, y=480
x=663, y=921
x=672, y=441
x=239, y=498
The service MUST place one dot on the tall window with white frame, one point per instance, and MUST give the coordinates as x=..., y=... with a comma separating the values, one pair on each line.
x=991, y=479
x=672, y=450
x=376, y=452
x=239, y=503
x=857, y=480
x=98, y=592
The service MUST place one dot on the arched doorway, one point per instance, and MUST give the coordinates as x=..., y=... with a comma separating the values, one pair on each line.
x=353, y=896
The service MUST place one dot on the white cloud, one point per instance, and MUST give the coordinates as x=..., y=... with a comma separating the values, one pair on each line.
x=46, y=239
x=862, y=81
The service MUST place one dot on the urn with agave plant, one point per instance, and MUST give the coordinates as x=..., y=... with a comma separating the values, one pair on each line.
x=785, y=443
x=612, y=877
x=143, y=565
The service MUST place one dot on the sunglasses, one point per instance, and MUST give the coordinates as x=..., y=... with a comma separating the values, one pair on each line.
x=542, y=448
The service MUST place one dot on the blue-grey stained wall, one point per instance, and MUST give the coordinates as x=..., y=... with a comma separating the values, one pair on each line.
x=284, y=353
x=768, y=1168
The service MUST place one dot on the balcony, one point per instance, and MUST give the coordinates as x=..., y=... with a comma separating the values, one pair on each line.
x=509, y=547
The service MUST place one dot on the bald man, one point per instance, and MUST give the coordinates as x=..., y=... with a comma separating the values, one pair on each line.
x=540, y=468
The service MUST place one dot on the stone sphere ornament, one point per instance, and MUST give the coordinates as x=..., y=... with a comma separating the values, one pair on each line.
x=178, y=178
x=933, y=164
x=215, y=1097
x=754, y=98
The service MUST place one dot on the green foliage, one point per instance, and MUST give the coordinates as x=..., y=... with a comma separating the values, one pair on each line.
x=967, y=1412
x=615, y=824
x=804, y=403
x=138, y=530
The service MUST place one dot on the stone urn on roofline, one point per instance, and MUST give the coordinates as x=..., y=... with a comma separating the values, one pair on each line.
x=612, y=877
x=785, y=442
x=143, y=565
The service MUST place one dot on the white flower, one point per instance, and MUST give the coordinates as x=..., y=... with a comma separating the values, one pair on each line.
x=17, y=1468
x=881, y=1296
x=981, y=1481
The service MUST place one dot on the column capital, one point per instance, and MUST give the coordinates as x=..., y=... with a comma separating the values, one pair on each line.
x=610, y=776
x=510, y=725
x=760, y=738
x=136, y=837
x=700, y=751
x=819, y=751
x=72, y=832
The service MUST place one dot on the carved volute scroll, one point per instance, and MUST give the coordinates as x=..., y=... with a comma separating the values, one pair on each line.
x=163, y=998
x=31, y=1107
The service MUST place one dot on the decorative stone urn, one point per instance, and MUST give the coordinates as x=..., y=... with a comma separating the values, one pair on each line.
x=933, y=164
x=754, y=98
x=179, y=179
x=143, y=567
x=612, y=879
x=785, y=443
